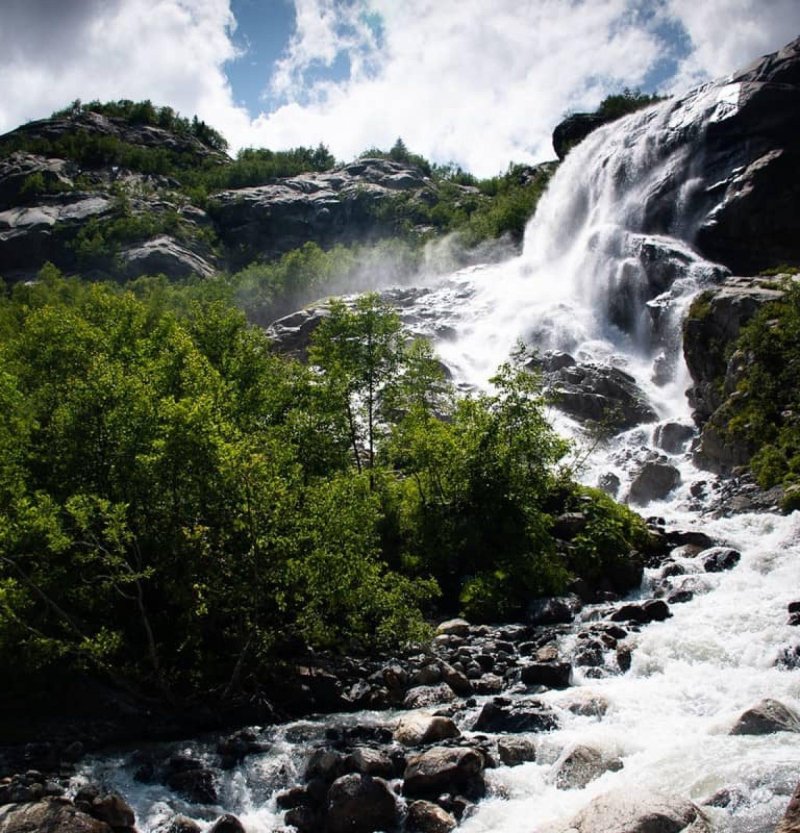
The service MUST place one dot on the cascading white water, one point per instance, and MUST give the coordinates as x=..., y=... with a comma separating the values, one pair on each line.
x=606, y=273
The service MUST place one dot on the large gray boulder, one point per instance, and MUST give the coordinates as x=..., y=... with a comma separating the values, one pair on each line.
x=637, y=811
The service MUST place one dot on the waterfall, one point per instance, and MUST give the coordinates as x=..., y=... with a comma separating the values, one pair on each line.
x=606, y=274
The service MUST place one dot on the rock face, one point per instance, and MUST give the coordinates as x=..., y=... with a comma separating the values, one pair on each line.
x=710, y=330
x=654, y=481
x=752, y=156
x=596, y=393
x=339, y=206
x=163, y=255
x=640, y=812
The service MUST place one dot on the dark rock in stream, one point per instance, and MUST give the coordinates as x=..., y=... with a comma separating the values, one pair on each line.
x=444, y=769
x=549, y=674
x=360, y=804
x=523, y=715
x=227, y=824
x=51, y=815
x=427, y=817
x=790, y=823
x=767, y=717
x=718, y=559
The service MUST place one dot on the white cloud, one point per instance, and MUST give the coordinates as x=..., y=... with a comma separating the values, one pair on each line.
x=727, y=34
x=170, y=51
x=476, y=82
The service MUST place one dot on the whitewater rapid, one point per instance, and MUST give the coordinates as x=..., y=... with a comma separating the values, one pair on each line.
x=669, y=716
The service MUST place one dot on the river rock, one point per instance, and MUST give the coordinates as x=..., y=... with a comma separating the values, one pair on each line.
x=585, y=703
x=580, y=765
x=672, y=437
x=654, y=481
x=607, y=395
x=553, y=610
x=360, y=804
x=522, y=715
x=427, y=817
x=653, y=610
x=453, y=627
x=444, y=769
x=790, y=823
x=419, y=729
x=637, y=811
x=181, y=824
x=767, y=717
x=325, y=764
x=227, y=824
x=422, y=697
x=514, y=751
x=717, y=559
x=51, y=815
x=367, y=761
x=550, y=674
x=113, y=810
x=196, y=785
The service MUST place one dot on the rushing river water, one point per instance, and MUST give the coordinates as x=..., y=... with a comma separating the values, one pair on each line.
x=593, y=281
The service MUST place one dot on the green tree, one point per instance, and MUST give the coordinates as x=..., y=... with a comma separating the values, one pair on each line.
x=359, y=350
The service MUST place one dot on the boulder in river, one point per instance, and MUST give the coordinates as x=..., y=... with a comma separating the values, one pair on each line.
x=427, y=817
x=767, y=717
x=580, y=765
x=637, y=811
x=790, y=823
x=51, y=815
x=444, y=769
x=419, y=729
x=360, y=804
x=654, y=481
x=522, y=715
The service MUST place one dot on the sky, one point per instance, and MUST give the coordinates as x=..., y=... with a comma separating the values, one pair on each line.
x=480, y=83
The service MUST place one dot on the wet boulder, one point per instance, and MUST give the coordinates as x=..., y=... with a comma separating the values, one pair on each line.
x=420, y=729
x=421, y=697
x=596, y=393
x=227, y=824
x=654, y=481
x=718, y=559
x=767, y=717
x=427, y=817
x=522, y=715
x=637, y=811
x=113, y=810
x=653, y=610
x=444, y=769
x=580, y=765
x=514, y=751
x=360, y=804
x=673, y=437
x=549, y=674
x=553, y=610
x=367, y=761
x=790, y=823
x=50, y=815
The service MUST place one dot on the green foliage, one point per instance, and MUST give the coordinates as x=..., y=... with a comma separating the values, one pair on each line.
x=766, y=412
x=144, y=112
x=628, y=101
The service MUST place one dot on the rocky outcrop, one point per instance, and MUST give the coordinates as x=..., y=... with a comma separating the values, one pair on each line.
x=654, y=481
x=573, y=129
x=710, y=331
x=22, y=175
x=53, y=815
x=594, y=393
x=340, y=206
x=164, y=255
x=752, y=157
